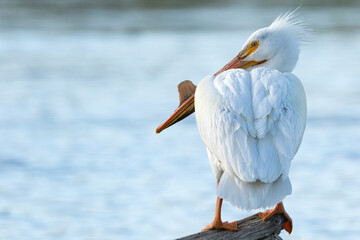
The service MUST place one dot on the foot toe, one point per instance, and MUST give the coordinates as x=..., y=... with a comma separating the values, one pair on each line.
x=265, y=215
x=208, y=227
x=231, y=226
x=288, y=226
x=222, y=225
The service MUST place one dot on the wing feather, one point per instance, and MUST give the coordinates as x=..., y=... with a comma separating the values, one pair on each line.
x=259, y=120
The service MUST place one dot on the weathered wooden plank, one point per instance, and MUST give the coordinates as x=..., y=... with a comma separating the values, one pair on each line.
x=250, y=228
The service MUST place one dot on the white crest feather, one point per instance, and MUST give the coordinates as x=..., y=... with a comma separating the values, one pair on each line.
x=294, y=25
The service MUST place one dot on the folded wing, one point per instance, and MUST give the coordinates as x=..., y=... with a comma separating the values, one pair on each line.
x=259, y=120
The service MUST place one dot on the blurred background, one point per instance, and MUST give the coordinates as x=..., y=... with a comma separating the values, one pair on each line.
x=84, y=84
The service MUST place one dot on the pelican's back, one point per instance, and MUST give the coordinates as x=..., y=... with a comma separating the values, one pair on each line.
x=252, y=124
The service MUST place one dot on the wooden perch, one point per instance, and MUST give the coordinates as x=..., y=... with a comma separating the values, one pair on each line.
x=251, y=228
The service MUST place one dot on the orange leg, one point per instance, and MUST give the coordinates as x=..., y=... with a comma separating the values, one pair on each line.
x=279, y=209
x=217, y=223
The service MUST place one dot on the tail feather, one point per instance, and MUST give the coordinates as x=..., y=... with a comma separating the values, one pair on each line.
x=256, y=195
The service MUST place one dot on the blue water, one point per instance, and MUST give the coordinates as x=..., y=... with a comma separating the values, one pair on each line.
x=84, y=87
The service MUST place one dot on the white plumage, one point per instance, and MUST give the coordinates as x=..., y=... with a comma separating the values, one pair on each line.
x=252, y=121
x=252, y=125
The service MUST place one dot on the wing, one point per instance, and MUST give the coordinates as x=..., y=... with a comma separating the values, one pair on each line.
x=257, y=122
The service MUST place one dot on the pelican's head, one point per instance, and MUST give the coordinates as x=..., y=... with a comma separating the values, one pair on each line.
x=276, y=46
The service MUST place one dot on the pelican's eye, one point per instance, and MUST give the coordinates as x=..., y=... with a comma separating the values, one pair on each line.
x=249, y=49
x=254, y=44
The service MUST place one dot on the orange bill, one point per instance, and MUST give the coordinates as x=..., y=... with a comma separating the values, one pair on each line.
x=186, y=107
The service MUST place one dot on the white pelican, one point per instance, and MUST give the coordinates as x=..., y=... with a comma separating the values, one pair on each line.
x=251, y=117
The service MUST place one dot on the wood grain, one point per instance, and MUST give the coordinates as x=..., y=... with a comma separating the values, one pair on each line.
x=251, y=228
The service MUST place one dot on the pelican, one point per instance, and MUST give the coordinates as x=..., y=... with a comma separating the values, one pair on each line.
x=251, y=117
